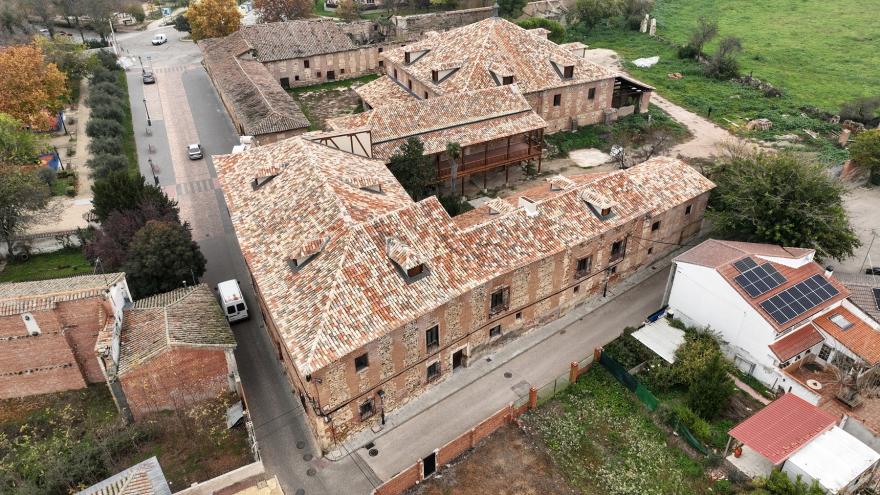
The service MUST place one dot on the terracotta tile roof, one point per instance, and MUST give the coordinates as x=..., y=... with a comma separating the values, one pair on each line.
x=188, y=317
x=144, y=478
x=351, y=293
x=296, y=39
x=22, y=297
x=467, y=118
x=783, y=427
x=474, y=48
x=861, y=289
x=714, y=253
x=796, y=342
x=860, y=338
x=257, y=99
x=383, y=91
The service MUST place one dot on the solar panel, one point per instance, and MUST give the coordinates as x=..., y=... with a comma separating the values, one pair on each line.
x=745, y=264
x=876, y=297
x=799, y=299
x=758, y=280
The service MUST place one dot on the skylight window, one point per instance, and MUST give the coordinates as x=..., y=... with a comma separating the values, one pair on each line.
x=841, y=321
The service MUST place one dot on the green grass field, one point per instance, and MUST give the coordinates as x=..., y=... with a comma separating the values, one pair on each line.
x=64, y=263
x=822, y=53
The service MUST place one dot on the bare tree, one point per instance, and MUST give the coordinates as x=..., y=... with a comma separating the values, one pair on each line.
x=706, y=30
x=24, y=201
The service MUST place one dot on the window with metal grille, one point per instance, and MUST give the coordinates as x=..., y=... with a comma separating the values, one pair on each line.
x=591, y=94
x=584, y=265
x=557, y=100
x=432, y=338
x=495, y=331
x=366, y=409
x=434, y=371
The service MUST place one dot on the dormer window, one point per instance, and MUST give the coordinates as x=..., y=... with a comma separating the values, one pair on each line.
x=306, y=253
x=568, y=72
x=412, y=56
x=506, y=80
x=369, y=184
x=409, y=264
x=601, y=206
x=264, y=175
x=416, y=270
x=605, y=211
x=435, y=75
x=442, y=72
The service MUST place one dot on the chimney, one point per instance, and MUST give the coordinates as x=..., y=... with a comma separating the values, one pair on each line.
x=495, y=10
x=829, y=271
x=530, y=206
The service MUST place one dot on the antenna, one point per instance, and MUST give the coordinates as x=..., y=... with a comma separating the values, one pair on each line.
x=95, y=272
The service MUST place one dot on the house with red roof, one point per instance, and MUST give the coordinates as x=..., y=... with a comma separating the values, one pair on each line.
x=780, y=314
x=804, y=442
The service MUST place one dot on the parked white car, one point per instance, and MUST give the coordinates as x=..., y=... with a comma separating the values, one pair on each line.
x=159, y=39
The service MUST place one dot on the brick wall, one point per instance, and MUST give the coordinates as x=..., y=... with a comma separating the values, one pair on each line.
x=345, y=65
x=402, y=482
x=177, y=378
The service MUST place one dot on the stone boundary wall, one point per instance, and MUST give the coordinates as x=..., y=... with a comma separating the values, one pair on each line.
x=405, y=26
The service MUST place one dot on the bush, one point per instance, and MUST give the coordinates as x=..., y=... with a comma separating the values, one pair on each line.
x=454, y=205
x=687, y=52
x=70, y=191
x=107, y=87
x=109, y=112
x=862, y=110
x=181, y=23
x=106, y=144
x=101, y=74
x=108, y=60
x=47, y=175
x=92, y=43
x=104, y=164
x=103, y=128
x=103, y=100
x=557, y=31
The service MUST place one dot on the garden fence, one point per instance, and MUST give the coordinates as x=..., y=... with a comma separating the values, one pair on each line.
x=619, y=372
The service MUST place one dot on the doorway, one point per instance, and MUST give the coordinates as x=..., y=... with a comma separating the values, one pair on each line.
x=429, y=465
x=458, y=359
x=331, y=75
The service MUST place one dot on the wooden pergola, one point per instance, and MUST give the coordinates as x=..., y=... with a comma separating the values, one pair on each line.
x=492, y=155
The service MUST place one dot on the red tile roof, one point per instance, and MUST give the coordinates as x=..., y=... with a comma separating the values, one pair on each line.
x=860, y=338
x=795, y=343
x=783, y=427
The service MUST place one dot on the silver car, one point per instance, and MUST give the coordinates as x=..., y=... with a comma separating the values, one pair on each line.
x=194, y=151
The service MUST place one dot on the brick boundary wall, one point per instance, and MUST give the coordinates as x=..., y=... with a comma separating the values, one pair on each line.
x=446, y=454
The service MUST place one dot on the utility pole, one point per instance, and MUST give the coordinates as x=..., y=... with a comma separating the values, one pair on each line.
x=113, y=37
x=149, y=122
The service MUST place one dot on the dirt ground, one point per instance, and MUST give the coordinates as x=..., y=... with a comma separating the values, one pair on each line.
x=507, y=462
x=863, y=206
x=323, y=104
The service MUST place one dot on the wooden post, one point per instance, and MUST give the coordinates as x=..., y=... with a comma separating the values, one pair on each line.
x=573, y=372
x=727, y=447
x=533, y=398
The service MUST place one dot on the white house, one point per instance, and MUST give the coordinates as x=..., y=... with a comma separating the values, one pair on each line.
x=772, y=306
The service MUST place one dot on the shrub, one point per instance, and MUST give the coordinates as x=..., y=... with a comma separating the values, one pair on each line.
x=70, y=191
x=106, y=144
x=557, y=31
x=92, y=43
x=723, y=63
x=181, y=23
x=108, y=60
x=47, y=175
x=711, y=389
x=160, y=256
x=104, y=164
x=103, y=128
x=454, y=205
x=109, y=112
x=103, y=100
x=687, y=51
x=634, y=11
x=101, y=74
x=862, y=110
x=106, y=87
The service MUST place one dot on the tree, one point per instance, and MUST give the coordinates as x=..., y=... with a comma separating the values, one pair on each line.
x=723, y=64
x=101, y=12
x=106, y=144
x=41, y=9
x=557, y=31
x=181, y=23
x=103, y=127
x=23, y=199
x=161, y=257
x=453, y=153
x=110, y=242
x=711, y=390
x=413, y=169
x=511, y=8
x=705, y=31
x=635, y=10
x=70, y=57
x=783, y=199
x=213, y=18
x=348, y=10
x=121, y=191
x=31, y=90
x=591, y=12
x=103, y=165
x=285, y=10
x=778, y=483
x=865, y=152
x=17, y=145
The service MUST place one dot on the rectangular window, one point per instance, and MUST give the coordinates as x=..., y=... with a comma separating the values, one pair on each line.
x=361, y=362
x=380, y=48
x=824, y=352
x=395, y=73
x=381, y=63
x=687, y=210
x=591, y=94
x=409, y=84
x=296, y=78
x=577, y=288
x=495, y=331
x=318, y=74
x=557, y=100
x=499, y=300
x=617, y=249
x=285, y=82
x=650, y=249
x=584, y=265
x=435, y=75
x=519, y=316
x=613, y=270
x=342, y=71
x=434, y=371
x=366, y=409
x=305, y=64
x=568, y=72
x=655, y=226
x=432, y=338
x=426, y=95
x=507, y=80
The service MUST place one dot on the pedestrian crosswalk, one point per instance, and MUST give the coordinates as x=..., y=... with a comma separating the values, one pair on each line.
x=193, y=187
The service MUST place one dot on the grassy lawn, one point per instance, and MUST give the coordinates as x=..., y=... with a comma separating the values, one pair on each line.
x=324, y=101
x=823, y=53
x=63, y=263
x=604, y=442
x=59, y=187
x=60, y=443
x=340, y=83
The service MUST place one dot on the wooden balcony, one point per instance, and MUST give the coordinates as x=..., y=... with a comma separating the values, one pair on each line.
x=492, y=155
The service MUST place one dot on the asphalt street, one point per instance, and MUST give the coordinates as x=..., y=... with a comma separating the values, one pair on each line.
x=184, y=108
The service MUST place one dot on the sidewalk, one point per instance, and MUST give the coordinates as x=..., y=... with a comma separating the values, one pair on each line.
x=474, y=393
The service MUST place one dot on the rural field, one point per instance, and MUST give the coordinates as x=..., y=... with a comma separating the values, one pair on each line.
x=823, y=53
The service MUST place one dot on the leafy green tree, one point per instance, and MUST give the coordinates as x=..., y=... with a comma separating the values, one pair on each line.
x=109, y=113
x=107, y=60
x=105, y=144
x=121, y=191
x=23, y=197
x=723, y=64
x=104, y=164
x=711, y=388
x=511, y=8
x=103, y=128
x=591, y=13
x=865, y=152
x=161, y=257
x=70, y=57
x=17, y=145
x=783, y=199
x=557, y=31
x=778, y=483
x=111, y=241
x=413, y=169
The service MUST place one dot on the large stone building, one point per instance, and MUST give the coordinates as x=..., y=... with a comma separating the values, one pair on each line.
x=370, y=297
x=48, y=331
x=561, y=86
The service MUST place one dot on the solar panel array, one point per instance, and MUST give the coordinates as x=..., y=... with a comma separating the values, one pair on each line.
x=799, y=299
x=877, y=297
x=757, y=280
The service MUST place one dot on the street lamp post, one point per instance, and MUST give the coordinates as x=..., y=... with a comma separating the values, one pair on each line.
x=153, y=169
x=149, y=122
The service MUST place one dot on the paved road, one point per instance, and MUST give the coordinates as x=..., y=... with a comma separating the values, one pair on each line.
x=183, y=109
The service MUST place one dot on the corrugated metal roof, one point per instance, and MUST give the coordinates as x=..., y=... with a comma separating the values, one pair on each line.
x=783, y=427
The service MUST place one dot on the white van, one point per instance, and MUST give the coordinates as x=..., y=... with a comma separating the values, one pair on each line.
x=159, y=39
x=232, y=301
